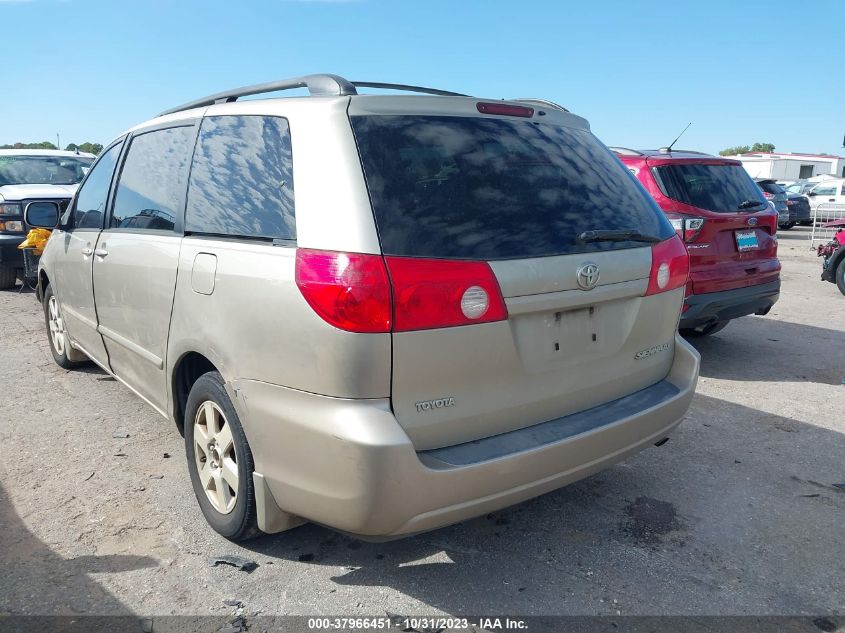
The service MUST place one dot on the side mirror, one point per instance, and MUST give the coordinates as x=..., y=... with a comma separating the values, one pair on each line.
x=42, y=215
x=811, y=193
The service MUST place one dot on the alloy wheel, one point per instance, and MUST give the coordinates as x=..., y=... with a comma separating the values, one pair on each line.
x=215, y=457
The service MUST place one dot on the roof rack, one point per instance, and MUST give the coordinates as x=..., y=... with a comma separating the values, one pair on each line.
x=540, y=102
x=627, y=151
x=321, y=85
x=403, y=87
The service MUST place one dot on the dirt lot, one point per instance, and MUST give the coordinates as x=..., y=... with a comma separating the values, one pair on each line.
x=738, y=514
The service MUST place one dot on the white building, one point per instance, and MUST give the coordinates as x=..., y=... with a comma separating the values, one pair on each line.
x=784, y=167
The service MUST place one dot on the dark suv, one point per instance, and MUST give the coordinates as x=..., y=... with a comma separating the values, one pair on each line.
x=728, y=227
x=776, y=194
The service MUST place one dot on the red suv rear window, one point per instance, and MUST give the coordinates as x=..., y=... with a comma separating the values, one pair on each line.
x=719, y=188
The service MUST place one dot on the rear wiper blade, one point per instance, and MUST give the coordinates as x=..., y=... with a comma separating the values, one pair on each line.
x=747, y=204
x=616, y=236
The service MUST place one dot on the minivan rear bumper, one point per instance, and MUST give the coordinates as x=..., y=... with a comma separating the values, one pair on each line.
x=729, y=304
x=349, y=465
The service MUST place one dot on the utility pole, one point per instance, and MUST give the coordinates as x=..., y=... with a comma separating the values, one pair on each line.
x=58, y=141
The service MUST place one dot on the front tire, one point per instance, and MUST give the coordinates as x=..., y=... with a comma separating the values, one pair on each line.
x=704, y=330
x=65, y=356
x=8, y=277
x=840, y=276
x=220, y=460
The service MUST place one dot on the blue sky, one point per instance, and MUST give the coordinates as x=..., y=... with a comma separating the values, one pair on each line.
x=741, y=70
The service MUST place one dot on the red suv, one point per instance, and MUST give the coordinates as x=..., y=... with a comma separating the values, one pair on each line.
x=729, y=229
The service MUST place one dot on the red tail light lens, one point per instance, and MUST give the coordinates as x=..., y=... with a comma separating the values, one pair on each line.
x=368, y=293
x=669, y=266
x=686, y=226
x=504, y=108
x=350, y=291
x=768, y=196
x=436, y=293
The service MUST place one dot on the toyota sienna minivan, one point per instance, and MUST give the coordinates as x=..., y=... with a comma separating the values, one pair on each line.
x=380, y=313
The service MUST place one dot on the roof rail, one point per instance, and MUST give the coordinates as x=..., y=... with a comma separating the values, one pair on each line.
x=323, y=85
x=420, y=89
x=627, y=151
x=540, y=102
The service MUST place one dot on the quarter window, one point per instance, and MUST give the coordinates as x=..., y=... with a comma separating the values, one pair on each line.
x=242, y=179
x=94, y=192
x=151, y=191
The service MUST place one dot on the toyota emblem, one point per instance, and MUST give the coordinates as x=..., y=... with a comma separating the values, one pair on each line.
x=587, y=276
x=752, y=221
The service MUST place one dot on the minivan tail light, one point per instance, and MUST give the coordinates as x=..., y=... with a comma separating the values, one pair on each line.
x=687, y=227
x=370, y=293
x=350, y=291
x=437, y=293
x=669, y=266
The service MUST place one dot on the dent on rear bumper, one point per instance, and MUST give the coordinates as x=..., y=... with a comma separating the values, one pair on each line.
x=349, y=465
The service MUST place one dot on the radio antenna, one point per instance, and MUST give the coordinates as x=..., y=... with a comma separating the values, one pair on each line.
x=666, y=150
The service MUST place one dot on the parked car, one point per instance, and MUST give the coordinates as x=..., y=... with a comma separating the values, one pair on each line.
x=831, y=190
x=379, y=313
x=26, y=176
x=729, y=229
x=775, y=194
x=799, y=210
x=798, y=186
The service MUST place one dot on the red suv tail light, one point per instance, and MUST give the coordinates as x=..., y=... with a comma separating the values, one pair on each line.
x=350, y=291
x=686, y=226
x=368, y=293
x=435, y=293
x=669, y=266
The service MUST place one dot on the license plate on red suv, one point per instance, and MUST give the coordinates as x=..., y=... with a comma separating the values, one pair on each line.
x=746, y=240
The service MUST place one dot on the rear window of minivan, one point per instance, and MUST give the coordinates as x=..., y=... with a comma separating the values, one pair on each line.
x=487, y=189
x=719, y=188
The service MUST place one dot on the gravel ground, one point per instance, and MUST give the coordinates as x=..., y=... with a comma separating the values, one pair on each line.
x=738, y=514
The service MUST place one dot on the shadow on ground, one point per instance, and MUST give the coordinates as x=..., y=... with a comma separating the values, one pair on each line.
x=36, y=580
x=707, y=524
x=769, y=348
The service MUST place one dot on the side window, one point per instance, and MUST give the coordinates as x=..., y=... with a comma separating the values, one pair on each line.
x=91, y=199
x=842, y=191
x=242, y=179
x=825, y=191
x=151, y=190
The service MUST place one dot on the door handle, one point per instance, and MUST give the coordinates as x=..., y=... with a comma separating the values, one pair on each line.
x=101, y=252
x=87, y=251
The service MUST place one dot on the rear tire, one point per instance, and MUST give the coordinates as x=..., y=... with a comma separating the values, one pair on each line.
x=786, y=227
x=704, y=330
x=8, y=277
x=57, y=336
x=840, y=276
x=220, y=460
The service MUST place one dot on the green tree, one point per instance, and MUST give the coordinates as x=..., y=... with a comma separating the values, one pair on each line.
x=739, y=149
x=763, y=147
x=92, y=148
x=72, y=147
x=41, y=145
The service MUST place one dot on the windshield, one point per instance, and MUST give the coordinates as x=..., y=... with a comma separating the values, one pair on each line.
x=43, y=170
x=472, y=188
x=719, y=188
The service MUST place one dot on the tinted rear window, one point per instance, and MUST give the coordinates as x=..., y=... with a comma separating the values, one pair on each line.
x=468, y=188
x=719, y=188
x=771, y=187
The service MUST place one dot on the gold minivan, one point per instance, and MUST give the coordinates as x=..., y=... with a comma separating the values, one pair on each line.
x=382, y=313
